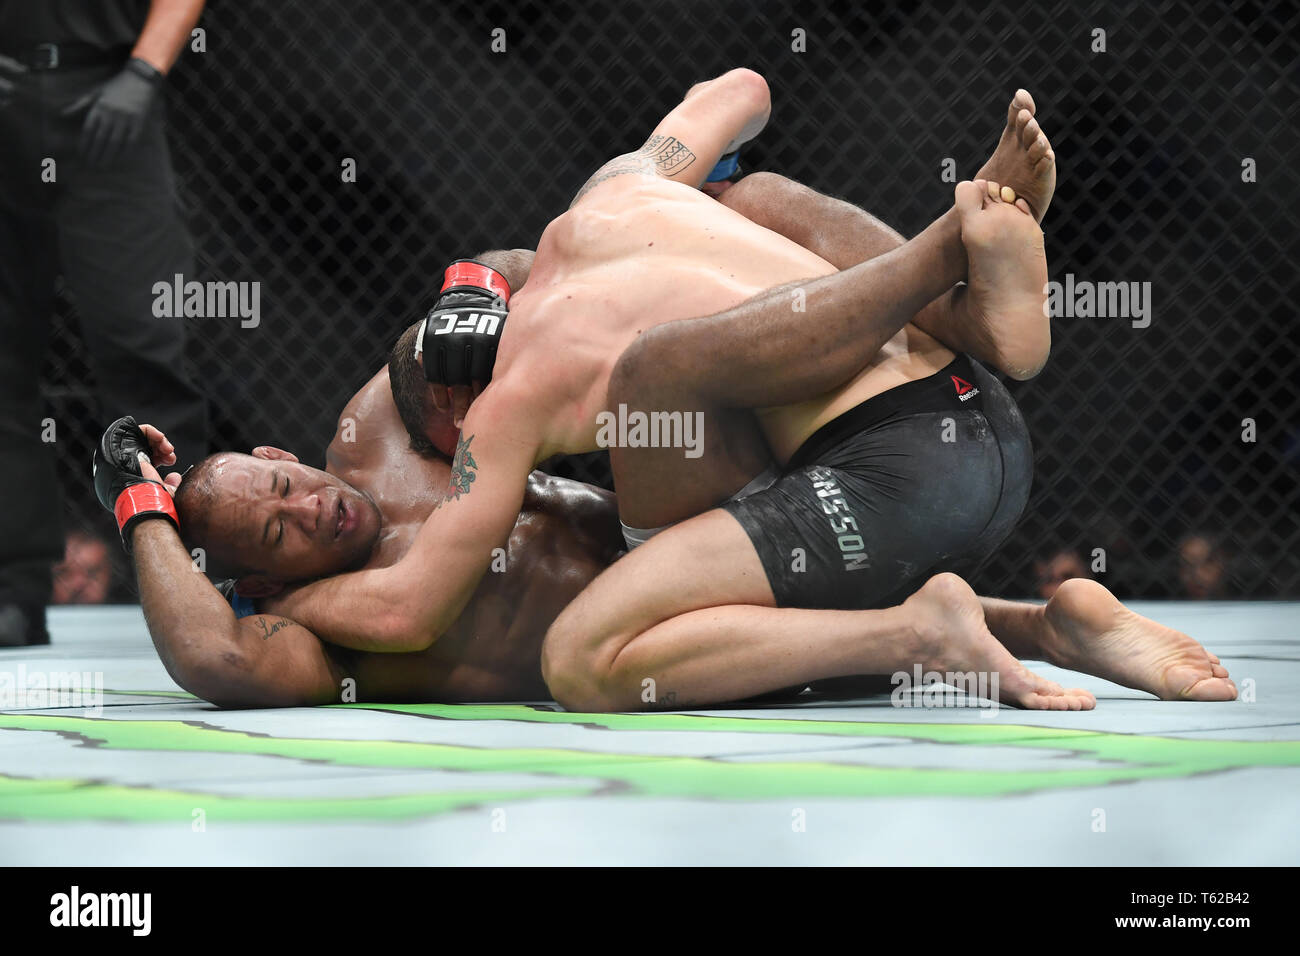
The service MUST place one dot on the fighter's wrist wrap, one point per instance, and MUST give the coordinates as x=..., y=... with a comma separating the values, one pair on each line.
x=467, y=275
x=141, y=501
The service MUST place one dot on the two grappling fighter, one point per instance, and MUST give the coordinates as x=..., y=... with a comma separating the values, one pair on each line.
x=707, y=608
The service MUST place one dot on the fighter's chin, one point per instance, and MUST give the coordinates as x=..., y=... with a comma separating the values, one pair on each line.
x=359, y=528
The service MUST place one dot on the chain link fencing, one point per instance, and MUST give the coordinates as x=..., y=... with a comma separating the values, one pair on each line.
x=1174, y=126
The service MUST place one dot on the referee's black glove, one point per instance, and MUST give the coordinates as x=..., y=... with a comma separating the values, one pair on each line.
x=118, y=111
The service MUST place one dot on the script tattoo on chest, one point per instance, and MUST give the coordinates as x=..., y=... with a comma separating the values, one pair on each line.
x=463, y=468
x=269, y=629
x=665, y=155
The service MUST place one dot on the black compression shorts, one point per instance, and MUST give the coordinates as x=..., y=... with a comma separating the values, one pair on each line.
x=926, y=477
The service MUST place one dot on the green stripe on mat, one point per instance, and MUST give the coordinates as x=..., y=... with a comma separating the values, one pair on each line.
x=1131, y=757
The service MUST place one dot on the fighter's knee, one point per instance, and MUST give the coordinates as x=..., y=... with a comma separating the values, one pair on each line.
x=630, y=371
x=643, y=370
x=580, y=661
x=572, y=666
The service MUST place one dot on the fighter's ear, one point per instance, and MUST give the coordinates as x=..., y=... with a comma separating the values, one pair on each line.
x=271, y=453
x=257, y=586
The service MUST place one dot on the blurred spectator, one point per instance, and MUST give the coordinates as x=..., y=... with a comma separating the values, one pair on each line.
x=1059, y=566
x=85, y=574
x=1202, y=567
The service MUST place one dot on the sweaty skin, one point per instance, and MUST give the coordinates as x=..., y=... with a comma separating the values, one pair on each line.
x=640, y=250
x=564, y=535
x=639, y=247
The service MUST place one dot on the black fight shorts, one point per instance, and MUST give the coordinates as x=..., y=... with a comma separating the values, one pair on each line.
x=930, y=476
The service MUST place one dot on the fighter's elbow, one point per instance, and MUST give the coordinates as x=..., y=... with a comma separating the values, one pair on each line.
x=749, y=83
x=750, y=89
x=405, y=631
x=220, y=678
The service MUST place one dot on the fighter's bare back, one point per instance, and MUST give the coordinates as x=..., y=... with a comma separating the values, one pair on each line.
x=637, y=251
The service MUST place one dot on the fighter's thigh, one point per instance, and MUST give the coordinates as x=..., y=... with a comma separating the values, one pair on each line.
x=705, y=562
x=720, y=449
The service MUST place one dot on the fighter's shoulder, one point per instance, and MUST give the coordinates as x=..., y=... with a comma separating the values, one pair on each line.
x=369, y=414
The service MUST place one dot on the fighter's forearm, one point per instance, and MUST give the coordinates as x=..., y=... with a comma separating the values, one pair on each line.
x=165, y=32
x=259, y=661
x=190, y=623
x=513, y=264
x=838, y=231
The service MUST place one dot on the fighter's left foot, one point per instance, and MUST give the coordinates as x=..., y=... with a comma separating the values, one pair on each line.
x=1094, y=633
x=1006, y=291
x=1024, y=158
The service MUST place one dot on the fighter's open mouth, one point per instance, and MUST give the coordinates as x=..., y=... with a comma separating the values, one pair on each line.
x=338, y=521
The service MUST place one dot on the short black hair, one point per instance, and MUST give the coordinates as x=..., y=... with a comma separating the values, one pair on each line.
x=195, y=499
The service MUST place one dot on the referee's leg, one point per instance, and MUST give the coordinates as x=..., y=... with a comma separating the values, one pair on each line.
x=120, y=232
x=32, y=541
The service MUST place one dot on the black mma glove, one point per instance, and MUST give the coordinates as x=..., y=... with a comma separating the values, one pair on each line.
x=460, y=334
x=120, y=486
x=118, y=111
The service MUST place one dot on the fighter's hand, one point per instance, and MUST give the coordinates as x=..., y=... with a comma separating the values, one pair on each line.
x=161, y=454
x=117, y=111
x=459, y=337
x=126, y=482
x=161, y=451
x=10, y=71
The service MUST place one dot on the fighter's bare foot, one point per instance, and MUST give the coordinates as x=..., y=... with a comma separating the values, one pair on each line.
x=949, y=620
x=1094, y=633
x=1006, y=288
x=1024, y=158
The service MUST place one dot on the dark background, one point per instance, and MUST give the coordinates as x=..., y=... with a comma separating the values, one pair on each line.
x=1138, y=432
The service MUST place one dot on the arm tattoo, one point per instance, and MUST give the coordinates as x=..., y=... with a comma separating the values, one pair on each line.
x=269, y=629
x=661, y=155
x=463, y=467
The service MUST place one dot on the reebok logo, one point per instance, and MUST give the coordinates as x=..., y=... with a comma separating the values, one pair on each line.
x=965, y=390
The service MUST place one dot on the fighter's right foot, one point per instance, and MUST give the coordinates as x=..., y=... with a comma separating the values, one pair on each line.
x=1092, y=631
x=949, y=620
x=1024, y=159
x=1005, y=298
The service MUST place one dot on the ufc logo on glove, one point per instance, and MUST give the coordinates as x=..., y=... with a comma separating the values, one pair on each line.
x=482, y=323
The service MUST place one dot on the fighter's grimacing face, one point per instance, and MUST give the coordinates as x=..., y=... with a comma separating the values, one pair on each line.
x=288, y=520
